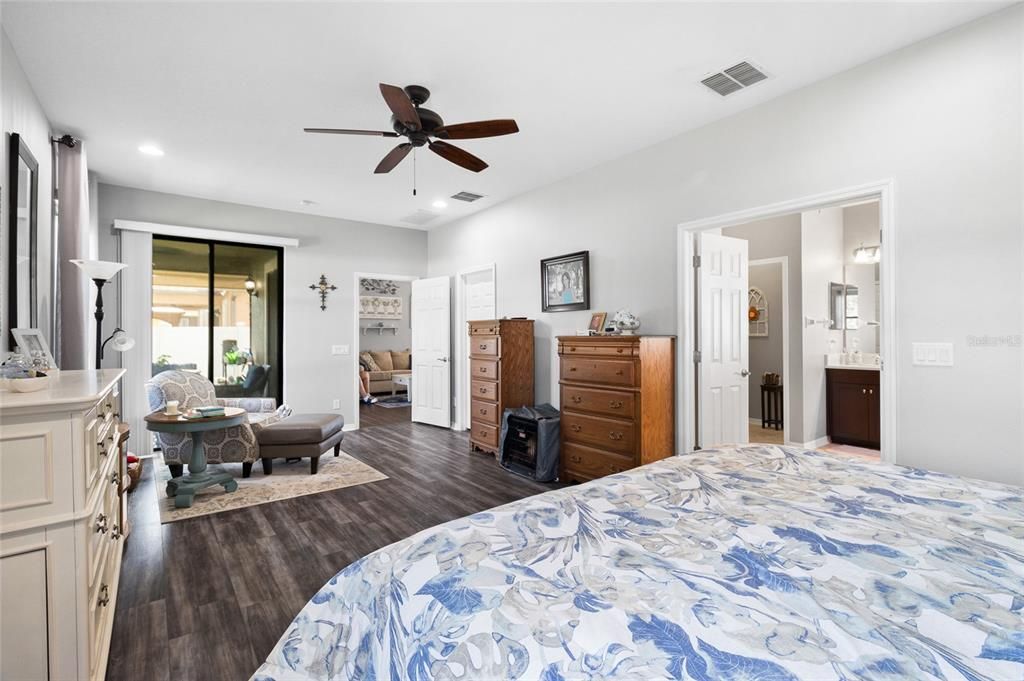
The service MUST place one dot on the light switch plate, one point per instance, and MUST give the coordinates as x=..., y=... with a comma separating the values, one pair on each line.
x=339, y=349
x=336, y=404
x=933, y=354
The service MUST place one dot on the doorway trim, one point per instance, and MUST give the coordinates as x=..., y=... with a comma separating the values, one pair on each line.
x=784, y=261
x=882, y=191
x=462, y=378
x=354, y=348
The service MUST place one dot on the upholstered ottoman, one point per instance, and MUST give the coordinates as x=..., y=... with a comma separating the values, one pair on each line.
x=300, y=435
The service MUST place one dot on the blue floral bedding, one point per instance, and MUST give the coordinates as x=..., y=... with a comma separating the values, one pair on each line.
x=756, y=562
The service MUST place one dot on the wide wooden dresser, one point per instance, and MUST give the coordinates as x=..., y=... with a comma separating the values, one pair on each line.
x=501, y=375
x=62, y=526
x=618, y=403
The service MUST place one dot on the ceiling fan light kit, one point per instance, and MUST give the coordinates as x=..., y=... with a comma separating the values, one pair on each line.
x=423, y=127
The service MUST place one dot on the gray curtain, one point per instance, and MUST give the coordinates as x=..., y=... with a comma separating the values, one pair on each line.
x=75, y=293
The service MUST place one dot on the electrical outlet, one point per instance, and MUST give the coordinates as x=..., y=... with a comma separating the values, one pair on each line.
x=339, y=349
x=336, y=404
x=933, y=354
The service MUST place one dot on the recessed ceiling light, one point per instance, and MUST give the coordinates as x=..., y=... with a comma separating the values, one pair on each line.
x=308, y=202
x=151, y=150
x=439, y=204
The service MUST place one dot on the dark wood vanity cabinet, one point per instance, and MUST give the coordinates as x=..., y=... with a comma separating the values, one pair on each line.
x=853, y=407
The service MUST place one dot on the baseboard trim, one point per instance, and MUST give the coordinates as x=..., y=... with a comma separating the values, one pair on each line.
x=813, y=444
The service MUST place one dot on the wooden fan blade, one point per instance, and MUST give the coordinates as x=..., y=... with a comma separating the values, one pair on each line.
x=457, y=156
x=477, y=129
x=343, y=131
x=393, y=158
x=401, y=106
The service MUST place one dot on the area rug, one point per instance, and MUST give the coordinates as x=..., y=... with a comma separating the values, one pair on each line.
x=288, y=480
x=395, y=402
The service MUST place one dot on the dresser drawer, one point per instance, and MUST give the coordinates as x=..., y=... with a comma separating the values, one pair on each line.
x=484, y=368
x=605, y=371
x=103, y=528
x=484, y=346
x=484, y=434
x=586, y=463
x=608, y=402
x=484, y=390
x=101, y=613
x=600, y=349
x=484, y=328
x=486, y=412
x=610, y=434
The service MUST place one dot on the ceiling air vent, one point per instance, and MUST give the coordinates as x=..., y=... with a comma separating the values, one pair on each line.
x=734, y=78
x=468, y=197
x=420, y=217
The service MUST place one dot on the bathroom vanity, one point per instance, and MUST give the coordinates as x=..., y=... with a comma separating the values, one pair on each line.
x=853, y=405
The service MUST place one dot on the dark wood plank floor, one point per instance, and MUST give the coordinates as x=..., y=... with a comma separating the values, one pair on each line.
x=207, y=598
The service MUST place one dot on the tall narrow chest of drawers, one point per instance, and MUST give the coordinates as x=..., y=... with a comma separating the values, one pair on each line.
x=62, y=527
x=618, y=403
x=501, y=375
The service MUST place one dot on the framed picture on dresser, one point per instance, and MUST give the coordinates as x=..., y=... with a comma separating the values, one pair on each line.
x=565, y=282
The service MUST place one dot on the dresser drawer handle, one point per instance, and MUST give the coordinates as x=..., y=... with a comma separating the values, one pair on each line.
x=615, y=435
x=115, y=533
x=615, y=404
x=576, y=399
x=483, y=370
x=484, y=410
x=572, y=368
x=483, y=346
x=576, y=458
x=115, y=478
x=620, y=350
x=572, y=349
x=104, y=596
x=101, y=524
x=576, y=428
x=483, y=391
x=619, y=372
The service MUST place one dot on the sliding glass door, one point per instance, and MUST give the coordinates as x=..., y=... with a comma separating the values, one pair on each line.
x=217, y=310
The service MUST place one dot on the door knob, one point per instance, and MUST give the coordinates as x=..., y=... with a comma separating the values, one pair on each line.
x=442, y=359
x=744, y=373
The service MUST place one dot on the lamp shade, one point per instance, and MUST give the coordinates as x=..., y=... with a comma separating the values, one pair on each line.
x=121, y=341
x=103, y=270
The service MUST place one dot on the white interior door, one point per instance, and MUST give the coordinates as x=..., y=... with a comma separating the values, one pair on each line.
x=723, y=373
x=431, y=350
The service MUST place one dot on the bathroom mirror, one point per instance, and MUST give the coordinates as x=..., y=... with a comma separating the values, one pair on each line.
x=862, y=307
x=22, y=264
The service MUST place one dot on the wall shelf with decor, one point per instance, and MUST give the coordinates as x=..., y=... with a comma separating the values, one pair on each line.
x=379, y=329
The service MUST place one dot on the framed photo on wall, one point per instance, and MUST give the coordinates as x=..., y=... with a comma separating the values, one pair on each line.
x=565, y=282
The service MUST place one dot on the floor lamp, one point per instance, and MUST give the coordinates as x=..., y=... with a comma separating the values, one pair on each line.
x=102, y=271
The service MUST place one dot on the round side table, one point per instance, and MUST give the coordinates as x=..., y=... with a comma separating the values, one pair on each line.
x=200, y=475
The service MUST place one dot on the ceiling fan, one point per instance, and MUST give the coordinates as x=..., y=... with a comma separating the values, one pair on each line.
x=419, y=125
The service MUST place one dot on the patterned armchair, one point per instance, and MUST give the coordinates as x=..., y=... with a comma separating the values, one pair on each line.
x=226, y=445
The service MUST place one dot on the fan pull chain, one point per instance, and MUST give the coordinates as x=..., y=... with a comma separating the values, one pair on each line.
x=414, y=172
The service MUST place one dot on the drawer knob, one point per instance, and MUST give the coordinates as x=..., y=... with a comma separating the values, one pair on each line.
x=483, y=346
x=115, y=478
x=572, y=368
x=615, y=404
x=576, y=399
x=572, y=349
x=576, y=428
x=871, y=391
x=619, y=372
x=101, y=524
x=614, y=435
x=483, y=410
x=619, y=350
x=483, y=391
x=115, y=533
x=483, y=370
x=575, y=458
x=104, y=598
x=863, y=391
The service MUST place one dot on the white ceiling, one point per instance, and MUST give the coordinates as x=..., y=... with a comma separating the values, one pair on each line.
x=226, y=88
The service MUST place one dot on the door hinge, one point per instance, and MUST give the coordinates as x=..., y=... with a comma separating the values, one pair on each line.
x=696, y=261
x=696, y=356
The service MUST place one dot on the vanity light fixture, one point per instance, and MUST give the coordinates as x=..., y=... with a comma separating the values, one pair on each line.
x=866, y=254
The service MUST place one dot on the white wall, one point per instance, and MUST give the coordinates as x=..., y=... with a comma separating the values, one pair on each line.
x=821, y=248
x=338, y=248
x=942, y=118
x=21, y=113
x=401, y=338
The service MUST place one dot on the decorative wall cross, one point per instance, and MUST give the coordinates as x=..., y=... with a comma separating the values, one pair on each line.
x=323, y=288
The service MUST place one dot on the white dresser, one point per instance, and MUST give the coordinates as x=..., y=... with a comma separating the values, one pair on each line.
x=62, y=520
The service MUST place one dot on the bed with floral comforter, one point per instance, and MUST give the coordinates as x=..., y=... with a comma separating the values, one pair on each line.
x=756, y=562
